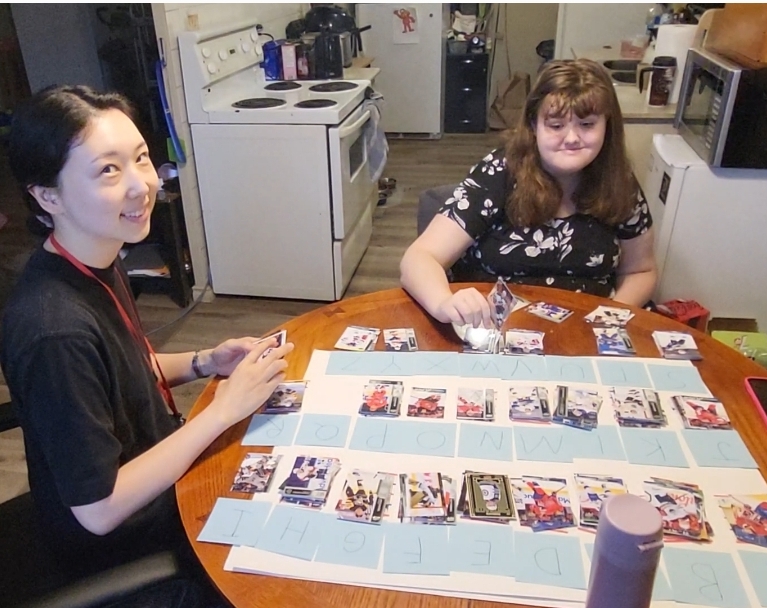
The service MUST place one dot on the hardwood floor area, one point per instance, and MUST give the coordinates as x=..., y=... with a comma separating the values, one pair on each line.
x=415, y=164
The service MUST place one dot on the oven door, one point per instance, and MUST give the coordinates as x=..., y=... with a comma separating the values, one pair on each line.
x=351, y=184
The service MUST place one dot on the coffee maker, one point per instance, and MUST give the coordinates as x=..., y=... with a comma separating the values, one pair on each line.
x=328, y=55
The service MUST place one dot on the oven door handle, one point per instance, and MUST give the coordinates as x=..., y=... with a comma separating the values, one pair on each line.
x=344, y=132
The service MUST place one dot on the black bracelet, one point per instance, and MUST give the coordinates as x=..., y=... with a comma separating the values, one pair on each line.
x=196, y=365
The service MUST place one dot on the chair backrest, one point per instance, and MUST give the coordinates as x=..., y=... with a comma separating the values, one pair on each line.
x=429, y=202
x=8, y=419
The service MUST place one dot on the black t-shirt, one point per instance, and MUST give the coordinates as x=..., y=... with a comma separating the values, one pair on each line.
x=87, y=402
x=579, y=252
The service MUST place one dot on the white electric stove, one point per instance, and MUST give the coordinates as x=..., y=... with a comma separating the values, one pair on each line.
x=286, y=191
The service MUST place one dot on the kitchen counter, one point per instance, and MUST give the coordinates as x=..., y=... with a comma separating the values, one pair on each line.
x=355, y=73
x=633, y=103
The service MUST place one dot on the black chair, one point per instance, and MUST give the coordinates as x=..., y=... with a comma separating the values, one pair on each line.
x=429, y=202
x=30, y=577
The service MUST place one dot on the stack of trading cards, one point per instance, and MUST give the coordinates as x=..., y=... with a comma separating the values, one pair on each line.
x=676, y=345
x=309, y=481
x=427, y=402
x=702, y=412
x=530, y=403
x=427, y=498
x=486, y=497
x=747, y=516
x=287, y=397
x=523, y=342
x=482, y=340
x=593, y=490
x=637, y=407
x=382, y=398
x=255, y=473
x=543, y=503
x=577, y=407
x=613, y=341
x=281, y=337
x=366, y=496
x=476, y=404
x=681, y=507
x=358, y=338
x=400, y=340
x=551, y=312
x=608, y=316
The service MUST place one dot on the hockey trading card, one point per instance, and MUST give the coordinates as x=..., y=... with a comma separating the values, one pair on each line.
x=476, y=404
x=552, y=312
x=309, y=481
x=523, y=342
x=382, y=398
x=613, y=341
x=593, y=490
x=400, y=340
x=637, y=407
x=676, y=345
x=489, y=496
x=577, y=407
x=281, y=337
x=358, y=338
x=482, y=340
x=702, y=412
x=287, y=397
x=255, y=473
x=502, y=302
x=529, y=403
x=545, y=503
x=608, y=316
x=422, y=496
x=747, y=516
x=681, y=507
x=366, y=496
x=426, y=402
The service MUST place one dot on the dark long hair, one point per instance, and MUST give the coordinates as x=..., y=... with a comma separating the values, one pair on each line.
x=44, y=130
x=606, y=189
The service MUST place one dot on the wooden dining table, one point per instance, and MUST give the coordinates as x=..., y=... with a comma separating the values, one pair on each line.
x=723, y=370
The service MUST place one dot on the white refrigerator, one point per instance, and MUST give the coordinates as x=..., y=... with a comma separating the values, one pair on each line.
x=710, y=231
x=410, y=50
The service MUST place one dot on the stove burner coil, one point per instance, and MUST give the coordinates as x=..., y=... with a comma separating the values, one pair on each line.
x=333, y=87
x=316, y=103
x=284, y=85
x=255, y=103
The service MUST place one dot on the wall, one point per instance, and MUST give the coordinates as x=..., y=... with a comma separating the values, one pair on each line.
x=57, y=43
x=593, y=25
x=170, y=20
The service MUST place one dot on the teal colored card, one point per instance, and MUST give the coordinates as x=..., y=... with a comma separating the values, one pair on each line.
x=704, y=577
x=653, y=447
x=525, y=368
x=544, y=444
x=293, y=531
x=374, y=435
x=632, y=374
x=681, y=379
x=714, y=448
x=570, y=369
x=475, y=365
x=372, y=363
x=547, y=558
x=414, y=549
x=601, y=443
x=235, y=522
x=271, y=429
x=756, y=567
x=661, y=590
x=404, y=437
x=485, y=441
x=328, y=430
x=349, y=543
x=434, y=363
x=482, y=549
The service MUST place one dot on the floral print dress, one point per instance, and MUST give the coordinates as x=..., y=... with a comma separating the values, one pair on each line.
x=579, y=252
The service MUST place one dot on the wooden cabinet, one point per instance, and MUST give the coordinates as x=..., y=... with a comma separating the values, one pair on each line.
x=466, y=93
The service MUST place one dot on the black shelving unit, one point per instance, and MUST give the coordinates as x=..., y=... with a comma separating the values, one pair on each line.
x=466, y=93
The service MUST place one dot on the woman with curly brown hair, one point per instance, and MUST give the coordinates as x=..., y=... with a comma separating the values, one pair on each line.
x=558, y=207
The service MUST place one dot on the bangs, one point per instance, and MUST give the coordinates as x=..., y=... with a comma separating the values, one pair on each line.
x=582, y=103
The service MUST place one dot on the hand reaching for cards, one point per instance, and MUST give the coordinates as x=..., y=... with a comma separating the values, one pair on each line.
x=465, y=307
x=251, y=382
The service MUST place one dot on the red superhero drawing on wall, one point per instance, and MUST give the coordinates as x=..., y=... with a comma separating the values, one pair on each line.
x=407, y=19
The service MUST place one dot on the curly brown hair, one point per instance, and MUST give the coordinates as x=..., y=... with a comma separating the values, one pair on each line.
x=607, y=188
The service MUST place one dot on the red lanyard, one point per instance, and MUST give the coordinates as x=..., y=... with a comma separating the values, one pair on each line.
x=149, y=355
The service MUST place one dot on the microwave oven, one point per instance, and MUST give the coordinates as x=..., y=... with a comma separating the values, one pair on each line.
x=722, y=111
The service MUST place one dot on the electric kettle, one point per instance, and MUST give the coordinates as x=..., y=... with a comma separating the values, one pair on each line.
x=328, y=56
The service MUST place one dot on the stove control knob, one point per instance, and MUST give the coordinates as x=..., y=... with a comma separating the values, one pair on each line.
x=212, y=68
x=222, y=55
x=254, y=35
x=205, y=52
x=245, y=46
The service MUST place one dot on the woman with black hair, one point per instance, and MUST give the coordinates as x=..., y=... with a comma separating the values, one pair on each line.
x=91, y=395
